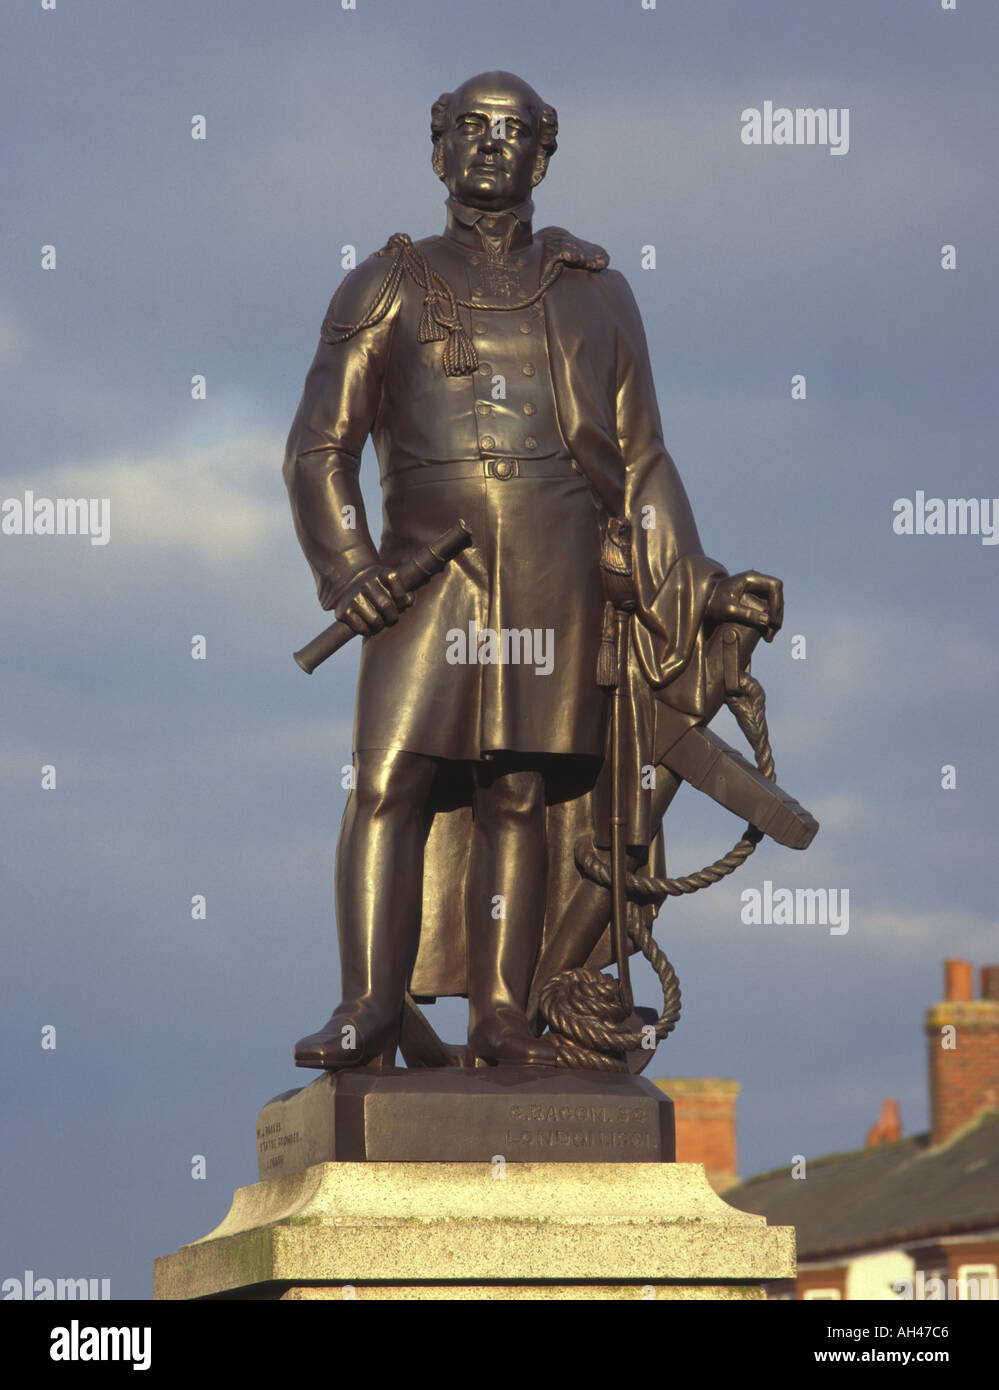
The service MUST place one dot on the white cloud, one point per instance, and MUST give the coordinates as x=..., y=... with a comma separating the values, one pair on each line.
x=216, y=503
x=965, y=934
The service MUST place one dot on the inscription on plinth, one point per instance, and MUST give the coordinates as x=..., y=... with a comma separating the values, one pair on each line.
x=272, y=1146
x=591, y=1128
x=457, y=1115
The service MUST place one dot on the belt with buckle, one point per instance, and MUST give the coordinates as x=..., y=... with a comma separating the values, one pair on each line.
x=499, y=466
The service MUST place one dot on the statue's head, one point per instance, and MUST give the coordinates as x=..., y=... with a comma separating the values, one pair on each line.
x=493, y=137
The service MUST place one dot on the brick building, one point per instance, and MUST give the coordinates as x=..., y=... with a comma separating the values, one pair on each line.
x=915, y=1217
x=704, y=1111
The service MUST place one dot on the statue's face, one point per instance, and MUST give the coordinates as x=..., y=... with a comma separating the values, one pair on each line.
x=490, y=148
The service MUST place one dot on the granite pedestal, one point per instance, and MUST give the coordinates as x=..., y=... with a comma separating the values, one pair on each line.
x=470, y=1185
x=482, y=1231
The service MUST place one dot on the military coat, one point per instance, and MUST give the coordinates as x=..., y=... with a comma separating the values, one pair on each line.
x=554, y=429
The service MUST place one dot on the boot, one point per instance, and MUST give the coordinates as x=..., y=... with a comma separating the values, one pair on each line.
x=374, y=964
x=505, y=1039
x=499, y=976
x=377, y=931
x=355, y=1036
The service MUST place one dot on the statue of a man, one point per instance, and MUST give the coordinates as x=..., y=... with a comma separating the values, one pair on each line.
x=504, y=377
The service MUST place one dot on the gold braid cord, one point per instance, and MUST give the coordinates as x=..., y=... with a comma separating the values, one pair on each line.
x=582, y=1007
x=439, y=321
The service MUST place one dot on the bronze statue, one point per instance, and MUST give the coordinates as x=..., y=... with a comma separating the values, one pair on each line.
x=523, y=722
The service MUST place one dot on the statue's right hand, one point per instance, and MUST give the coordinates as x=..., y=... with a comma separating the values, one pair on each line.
x=373, y=600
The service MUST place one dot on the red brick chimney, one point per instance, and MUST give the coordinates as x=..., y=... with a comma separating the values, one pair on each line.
x=704, y=1110
x=963, y=1041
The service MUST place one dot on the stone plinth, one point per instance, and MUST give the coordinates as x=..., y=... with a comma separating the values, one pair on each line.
x=465, y=1115
x=482, y=1231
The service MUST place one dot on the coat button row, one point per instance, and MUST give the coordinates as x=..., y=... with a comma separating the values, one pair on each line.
x=482, y=329
x=484, y=408
x=488, y=443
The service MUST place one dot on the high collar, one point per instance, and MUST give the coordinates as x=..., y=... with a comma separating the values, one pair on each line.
x=470, y=226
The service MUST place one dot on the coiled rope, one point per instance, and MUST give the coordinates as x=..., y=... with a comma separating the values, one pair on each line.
x=582, y=1007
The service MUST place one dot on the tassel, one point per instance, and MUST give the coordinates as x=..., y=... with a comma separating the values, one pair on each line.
x=607, y=654
x=431, y=329
x=460, y=357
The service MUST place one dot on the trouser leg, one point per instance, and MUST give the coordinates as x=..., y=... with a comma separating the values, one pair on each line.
x=506, y=906
x=379, y=881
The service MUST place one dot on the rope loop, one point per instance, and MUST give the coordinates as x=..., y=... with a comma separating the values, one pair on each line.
x=582, y=1007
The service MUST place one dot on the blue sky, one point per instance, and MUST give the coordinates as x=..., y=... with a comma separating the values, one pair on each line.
x=222, y=777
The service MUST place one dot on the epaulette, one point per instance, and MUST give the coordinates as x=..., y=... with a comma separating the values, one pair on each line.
x=572, y=251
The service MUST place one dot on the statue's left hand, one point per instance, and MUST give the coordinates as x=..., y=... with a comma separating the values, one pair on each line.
x=754, y=599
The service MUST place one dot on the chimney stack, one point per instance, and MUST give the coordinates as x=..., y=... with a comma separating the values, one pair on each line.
x=959, y=981
x=704, y=1111
x=963, y=1041
x=888, y=1126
